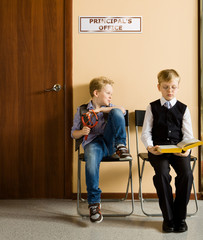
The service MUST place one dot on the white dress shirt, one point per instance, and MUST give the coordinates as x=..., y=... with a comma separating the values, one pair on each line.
x=146, y=136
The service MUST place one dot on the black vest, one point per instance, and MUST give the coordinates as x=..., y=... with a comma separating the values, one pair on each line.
x=167, y=123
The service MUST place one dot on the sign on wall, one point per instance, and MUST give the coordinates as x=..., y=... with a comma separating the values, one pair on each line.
x=110, y=24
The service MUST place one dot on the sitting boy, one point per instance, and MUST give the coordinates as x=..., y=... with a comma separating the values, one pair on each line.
x=167, y=121
x=107, y=138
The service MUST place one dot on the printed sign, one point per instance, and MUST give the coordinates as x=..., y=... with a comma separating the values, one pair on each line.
x=110, y=24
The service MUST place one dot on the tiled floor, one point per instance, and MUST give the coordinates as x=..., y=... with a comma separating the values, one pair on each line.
x=58, y=219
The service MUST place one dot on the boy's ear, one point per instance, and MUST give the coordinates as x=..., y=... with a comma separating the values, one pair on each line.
x=158, y=86
x=95, y=93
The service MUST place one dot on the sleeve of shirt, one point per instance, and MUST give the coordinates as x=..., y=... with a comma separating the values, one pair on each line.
x=146, y=136
x=76, y=122
x=187, y=125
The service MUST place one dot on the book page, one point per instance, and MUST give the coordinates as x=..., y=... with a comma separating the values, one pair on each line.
x=188, y=142
x=168, y=146
x=169, y=149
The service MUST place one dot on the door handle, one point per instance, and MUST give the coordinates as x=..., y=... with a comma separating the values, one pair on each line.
x=57, y=87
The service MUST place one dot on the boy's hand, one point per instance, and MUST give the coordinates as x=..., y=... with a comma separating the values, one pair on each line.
x=97, y=110
x=85, y=130
x=185, y=154
x=153, y=150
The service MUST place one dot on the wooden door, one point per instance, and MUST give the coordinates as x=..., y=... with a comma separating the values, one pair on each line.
x=32, y=121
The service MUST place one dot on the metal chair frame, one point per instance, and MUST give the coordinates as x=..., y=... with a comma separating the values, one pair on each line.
x=108, y=159
x=139, y=118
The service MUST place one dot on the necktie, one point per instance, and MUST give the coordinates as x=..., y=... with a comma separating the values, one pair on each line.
x=167, y=104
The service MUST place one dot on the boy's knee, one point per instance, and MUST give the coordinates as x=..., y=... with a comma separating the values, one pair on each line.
x=92, y=163
x=188, y=175
x=91, y=166
x=116, y=112
x=162, y=176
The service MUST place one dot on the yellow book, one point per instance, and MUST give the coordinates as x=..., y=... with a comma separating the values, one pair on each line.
x=180, y=147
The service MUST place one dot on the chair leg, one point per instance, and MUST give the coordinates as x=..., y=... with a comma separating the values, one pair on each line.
x=79, y=199
x=132, y=193
x=130, y=182
x=123, y=199
x=196, y=202
x=142, y=200
x=195, y=194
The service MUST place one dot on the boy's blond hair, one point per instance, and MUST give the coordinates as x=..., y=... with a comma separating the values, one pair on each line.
x=167, y=75
x=98, y=83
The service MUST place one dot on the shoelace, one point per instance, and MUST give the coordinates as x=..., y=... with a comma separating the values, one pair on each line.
x=94, y=209
x=122, y=150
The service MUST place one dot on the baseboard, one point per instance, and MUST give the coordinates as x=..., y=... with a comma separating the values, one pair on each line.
x=121, y=195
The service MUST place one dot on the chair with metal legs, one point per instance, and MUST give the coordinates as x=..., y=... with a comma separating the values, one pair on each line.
x=139, y=119
x=105, y=160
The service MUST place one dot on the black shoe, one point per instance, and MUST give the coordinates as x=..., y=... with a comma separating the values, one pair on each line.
x=168, y=226
x=181, y=226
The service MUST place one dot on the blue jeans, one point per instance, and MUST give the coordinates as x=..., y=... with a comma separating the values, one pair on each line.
x=102, y=146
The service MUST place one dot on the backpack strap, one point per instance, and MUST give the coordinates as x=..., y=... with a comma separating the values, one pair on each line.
x=83, y=109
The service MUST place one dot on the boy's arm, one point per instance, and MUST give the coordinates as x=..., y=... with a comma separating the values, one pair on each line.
x=76, y=132
x=108, y=109
x=80, y=133
x=186, y=131
x=187, y=126
x=146, y=136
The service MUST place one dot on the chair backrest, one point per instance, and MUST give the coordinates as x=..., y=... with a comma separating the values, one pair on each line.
x=78, y=141
x=127, y=129
x=139, y=119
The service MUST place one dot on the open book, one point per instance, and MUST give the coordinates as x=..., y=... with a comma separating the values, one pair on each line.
x=180, y=147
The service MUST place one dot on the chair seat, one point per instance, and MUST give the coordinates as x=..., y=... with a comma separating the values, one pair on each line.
x=143, y=156
x=193, y=158
x=106, y=159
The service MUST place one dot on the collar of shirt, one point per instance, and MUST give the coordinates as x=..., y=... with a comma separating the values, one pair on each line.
x=172, y=102
x=90, y=105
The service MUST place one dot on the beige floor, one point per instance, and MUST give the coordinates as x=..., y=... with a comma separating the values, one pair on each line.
x=58, y=219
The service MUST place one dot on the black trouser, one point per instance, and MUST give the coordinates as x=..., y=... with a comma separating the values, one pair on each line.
x=172, y=209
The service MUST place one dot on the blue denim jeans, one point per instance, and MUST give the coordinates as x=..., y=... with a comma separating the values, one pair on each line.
x=102, y=146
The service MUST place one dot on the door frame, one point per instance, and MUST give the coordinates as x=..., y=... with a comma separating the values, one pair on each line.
x=68, y=99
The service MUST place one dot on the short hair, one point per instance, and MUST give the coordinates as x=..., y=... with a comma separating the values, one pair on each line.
x=167, y=75
x=98, y=83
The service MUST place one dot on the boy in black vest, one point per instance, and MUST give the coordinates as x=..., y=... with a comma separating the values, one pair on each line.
x=105, y=139
x=167, y=121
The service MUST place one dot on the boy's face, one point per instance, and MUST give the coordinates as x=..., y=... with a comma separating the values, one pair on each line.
x=104, y=96
x=169, y=89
